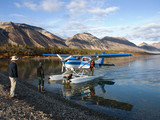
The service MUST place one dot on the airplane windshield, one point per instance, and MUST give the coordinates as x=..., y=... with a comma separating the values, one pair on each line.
x=85, y=59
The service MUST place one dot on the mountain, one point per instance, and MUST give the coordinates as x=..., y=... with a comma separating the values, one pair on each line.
x=3, y=37
x=85, y=41
x=23, y=34
x=115, y=43
x=88, y=41
x=156, y=45
x=149, y=47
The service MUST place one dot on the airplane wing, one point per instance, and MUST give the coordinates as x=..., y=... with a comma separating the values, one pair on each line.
x=93, y=56
x=56, y=55
x=107, y=55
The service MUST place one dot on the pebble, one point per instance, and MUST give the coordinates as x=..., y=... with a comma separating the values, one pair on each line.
x=30, y=104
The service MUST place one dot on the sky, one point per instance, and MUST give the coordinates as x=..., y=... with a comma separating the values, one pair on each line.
x=136, y=20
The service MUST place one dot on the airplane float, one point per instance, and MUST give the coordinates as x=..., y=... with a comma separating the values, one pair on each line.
x=79, y=65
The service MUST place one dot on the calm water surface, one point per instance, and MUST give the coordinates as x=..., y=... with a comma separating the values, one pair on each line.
x=130, y=90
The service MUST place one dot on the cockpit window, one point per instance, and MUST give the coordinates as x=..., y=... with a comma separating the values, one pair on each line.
x=85, y=59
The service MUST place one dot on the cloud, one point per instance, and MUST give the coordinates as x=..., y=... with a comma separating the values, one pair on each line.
x=88, y=11
x=17, y=15
x=77, y=6
x=151, y=26
x=103, y=12
x=149, y=32
x=79, y=26
x=78, y=15
x=75, y=26
x=100, y=32
x=31, y=5
x=51, y=5
x=45, y=5
x=89, y=7
x=17, y=5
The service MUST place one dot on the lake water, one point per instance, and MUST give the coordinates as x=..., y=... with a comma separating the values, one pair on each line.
x=130, y=90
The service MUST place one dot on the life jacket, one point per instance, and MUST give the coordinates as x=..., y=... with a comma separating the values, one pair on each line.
x=92, y=64
x=92, y=92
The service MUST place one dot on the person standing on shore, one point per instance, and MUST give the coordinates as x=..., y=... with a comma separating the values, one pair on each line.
x=13, y=75
x=41, y=78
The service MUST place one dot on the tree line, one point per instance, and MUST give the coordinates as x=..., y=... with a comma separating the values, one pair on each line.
x=8, y=50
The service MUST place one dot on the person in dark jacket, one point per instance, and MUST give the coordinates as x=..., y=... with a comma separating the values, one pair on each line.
x=92, y=66
x=13, y=75
x=41, y=78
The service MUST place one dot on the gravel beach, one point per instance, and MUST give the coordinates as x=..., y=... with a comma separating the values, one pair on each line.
x=29, y=104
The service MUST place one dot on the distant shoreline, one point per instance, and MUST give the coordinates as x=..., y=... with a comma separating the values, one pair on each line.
x=26, y=57
x=36, y=52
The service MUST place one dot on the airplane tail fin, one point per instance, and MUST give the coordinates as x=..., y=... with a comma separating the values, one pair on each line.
x=102, y=61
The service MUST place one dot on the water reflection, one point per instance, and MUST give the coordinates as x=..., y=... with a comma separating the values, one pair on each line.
x=27, y=68
x=131, y=82
x=86, y=92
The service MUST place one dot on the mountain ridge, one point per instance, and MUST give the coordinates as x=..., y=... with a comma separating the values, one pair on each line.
x=150, y=47
x=23, y=34
x=84, y=41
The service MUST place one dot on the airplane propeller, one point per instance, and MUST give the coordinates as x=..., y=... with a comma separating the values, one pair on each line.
x=63, y=61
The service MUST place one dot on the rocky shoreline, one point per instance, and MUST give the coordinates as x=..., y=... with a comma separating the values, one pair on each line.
x=31, y=104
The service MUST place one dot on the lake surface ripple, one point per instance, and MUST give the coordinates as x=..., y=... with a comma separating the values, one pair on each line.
x=130, y=90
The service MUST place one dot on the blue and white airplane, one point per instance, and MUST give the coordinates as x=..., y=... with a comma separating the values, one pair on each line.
x=71, y=63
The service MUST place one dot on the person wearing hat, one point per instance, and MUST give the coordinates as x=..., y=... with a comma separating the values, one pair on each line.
x=13, y=75
x=41, y=78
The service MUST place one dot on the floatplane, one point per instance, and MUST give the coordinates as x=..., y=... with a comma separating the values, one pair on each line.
x=79, y=65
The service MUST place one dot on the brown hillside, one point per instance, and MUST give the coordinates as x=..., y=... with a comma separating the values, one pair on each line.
x=85, y=41
x=23, y=34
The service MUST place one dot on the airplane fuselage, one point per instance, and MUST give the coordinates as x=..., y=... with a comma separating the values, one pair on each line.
x=76, y=63
x=79, y=63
